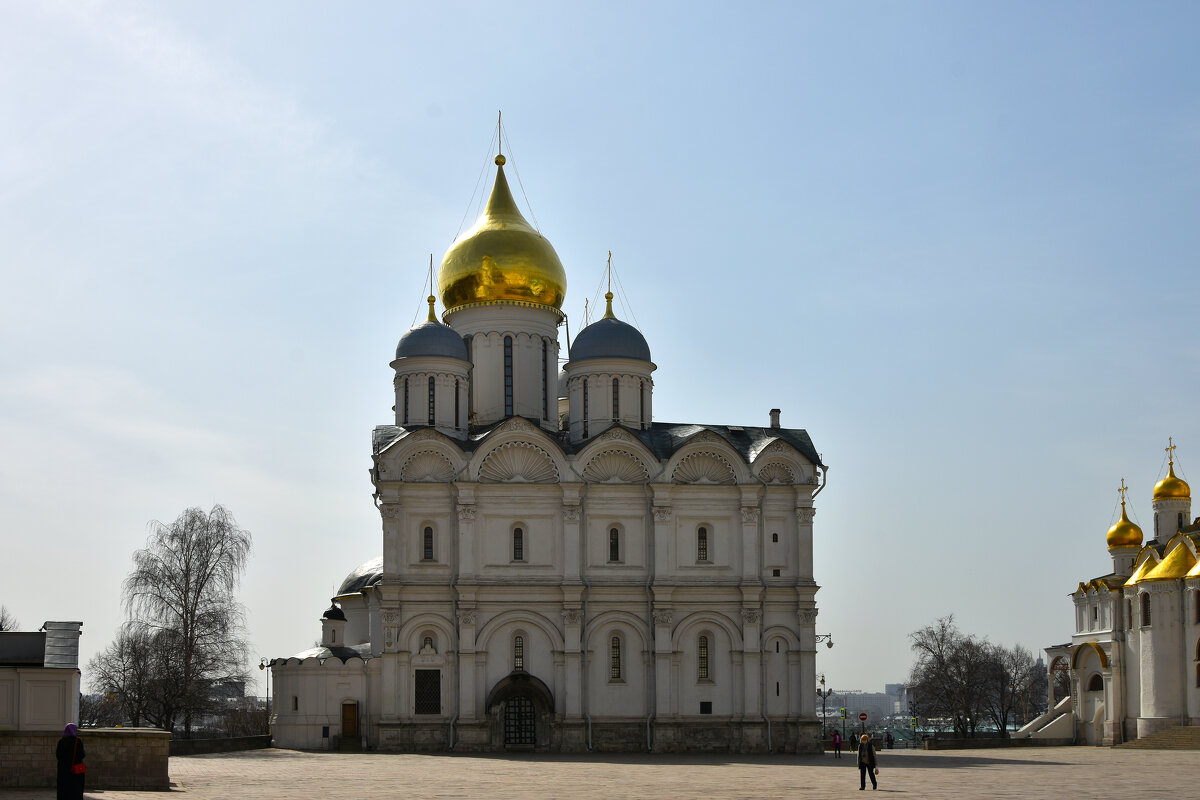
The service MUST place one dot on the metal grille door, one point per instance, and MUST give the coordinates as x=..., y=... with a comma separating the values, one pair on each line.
x=519, y=722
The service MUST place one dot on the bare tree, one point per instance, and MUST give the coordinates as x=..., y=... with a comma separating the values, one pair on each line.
x=131, y=671
x=1008, y=679
x=182, y=591
x=7, y=621
x=949, y=674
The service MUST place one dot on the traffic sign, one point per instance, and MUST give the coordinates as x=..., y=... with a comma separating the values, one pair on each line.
x=862, y=716
x=842, y=713
x=914, y=722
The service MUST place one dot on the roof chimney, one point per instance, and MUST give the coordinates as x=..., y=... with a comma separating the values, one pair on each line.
x=774, y=417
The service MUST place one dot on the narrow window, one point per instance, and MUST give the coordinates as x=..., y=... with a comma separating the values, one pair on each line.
x=431, y=398
x=1198, y=675
x=333, y=637
x=470, y=384
x=642, y=402
x=427, y=694
x=1196, y=595
x=1155, y=524
x=457, y=404
x=1145, y=610
x=702, y=658
x=614, y=544
x=406, y=401
x=1180, y=522
x=585, y=408
x=1129, y=613
x=518, y=652
x=777, y=688
x=545, y=380
x=702, y=544
x=518, y=544
x=427, y=545
x=776, y=645
x=774, y=537
x=616, y=400
x=295, y=703
x=614, y=659
x=1095, y=613
x=508, y=377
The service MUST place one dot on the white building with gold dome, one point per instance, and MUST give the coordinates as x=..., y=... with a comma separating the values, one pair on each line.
x=560, y=571
x=1134, y=661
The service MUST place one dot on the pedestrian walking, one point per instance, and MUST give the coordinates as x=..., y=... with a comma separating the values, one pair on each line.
x=837, y=744
x=867, y=765
x=891, y=740
x=71, y=768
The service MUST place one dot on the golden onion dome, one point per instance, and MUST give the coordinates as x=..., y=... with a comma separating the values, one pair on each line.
x=502, y=258
x=1124, y=533
x=1171, y=487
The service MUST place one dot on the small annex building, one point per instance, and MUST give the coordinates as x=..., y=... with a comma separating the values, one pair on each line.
x=1134, y=660
x=561, y=571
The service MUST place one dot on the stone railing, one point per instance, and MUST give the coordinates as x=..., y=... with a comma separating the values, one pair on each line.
x=117, y=758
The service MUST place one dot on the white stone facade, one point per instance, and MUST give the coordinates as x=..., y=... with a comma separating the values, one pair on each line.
x=624, y=585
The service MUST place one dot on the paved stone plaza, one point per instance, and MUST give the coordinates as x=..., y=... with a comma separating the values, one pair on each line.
x=1096, y=773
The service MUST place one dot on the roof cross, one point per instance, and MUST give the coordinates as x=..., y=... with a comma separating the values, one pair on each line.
x=1170, y=448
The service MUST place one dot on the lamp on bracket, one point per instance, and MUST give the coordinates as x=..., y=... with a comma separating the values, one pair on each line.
x=827, y=638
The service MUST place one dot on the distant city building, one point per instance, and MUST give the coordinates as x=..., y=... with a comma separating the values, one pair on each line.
x=878, y=705
x=1134, y=660
x=560, y=571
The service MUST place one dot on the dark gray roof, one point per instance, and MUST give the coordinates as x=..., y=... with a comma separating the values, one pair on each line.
x=366, y=574
x=333, y=612
x=609, y=338
x=431, y=339
x=663, y=438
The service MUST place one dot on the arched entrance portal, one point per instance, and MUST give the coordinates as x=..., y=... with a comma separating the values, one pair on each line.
x=520, y=707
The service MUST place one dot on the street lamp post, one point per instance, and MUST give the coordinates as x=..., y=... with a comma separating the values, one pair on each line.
x=263, y=664
x=823, y=693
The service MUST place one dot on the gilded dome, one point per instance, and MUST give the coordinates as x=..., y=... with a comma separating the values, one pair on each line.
x=1124, y=533
x=501, y=258
x=1171, y=488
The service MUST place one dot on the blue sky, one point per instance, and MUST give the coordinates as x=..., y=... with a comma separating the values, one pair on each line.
x=956, y=242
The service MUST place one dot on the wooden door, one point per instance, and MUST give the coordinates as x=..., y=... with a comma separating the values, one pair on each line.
x=350, y=720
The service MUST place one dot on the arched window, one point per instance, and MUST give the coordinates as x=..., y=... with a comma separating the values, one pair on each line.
x=518, y=540
x=1155, y=524
x=702, y=658
x=1096, y=683
x=406, y=401
x=470, y=387
x=519, y=652
x=431, y=397
x=642, y=402
x=1198, y=675
x=585, y=408
x=1128, y=613
x=1145, y=609
x=508, y=377
x=774, y=537
x=702, y=544
x=1196, y=603
x=457, y=404
x=545, y=380
x=616, y=400
x=614, y=545
x=1180, y=526
x=427, y=544
x=614, y=659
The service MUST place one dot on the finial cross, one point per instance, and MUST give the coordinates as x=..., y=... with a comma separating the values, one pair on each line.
x=1170, y=450
x=1122, y=491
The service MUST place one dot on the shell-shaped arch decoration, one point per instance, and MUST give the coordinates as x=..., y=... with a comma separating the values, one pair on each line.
x=614, y=466
x=518, y=462
x=704, y=467
x=427, y=466
x=777, y=472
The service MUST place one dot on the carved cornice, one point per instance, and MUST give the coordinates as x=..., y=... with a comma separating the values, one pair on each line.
x=663, y=617
x=466, y=513
x=749, y=514
x=662, y=513
x=391, y=511
x=466, y=616
x=572, y=616
x=805, y=515
x=808, y=616
x=750, y=616
x=571, y=513
x=391, y=615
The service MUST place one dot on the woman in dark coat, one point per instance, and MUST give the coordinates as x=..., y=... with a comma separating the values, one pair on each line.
x=866, y=763
x=69, y=753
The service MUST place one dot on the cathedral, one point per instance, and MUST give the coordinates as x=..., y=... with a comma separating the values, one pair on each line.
x=1134, y=661
x=560, y=571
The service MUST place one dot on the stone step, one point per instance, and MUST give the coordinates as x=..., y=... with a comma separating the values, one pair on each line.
x=1181, y=738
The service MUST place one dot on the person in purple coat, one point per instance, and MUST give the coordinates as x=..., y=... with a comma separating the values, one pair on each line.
x=70, y=753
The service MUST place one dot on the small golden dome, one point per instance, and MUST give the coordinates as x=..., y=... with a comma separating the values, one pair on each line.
x=1124, y=533
x=1171, y=488
x=501, y=258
